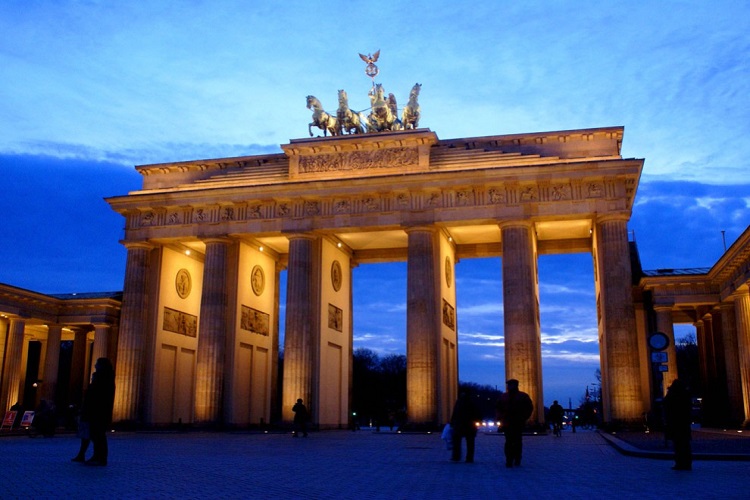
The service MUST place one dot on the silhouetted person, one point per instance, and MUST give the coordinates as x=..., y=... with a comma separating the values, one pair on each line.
x=97, y=409
x=18, y=408
x=84, y=432
x=300, y=418
x=463, y=421
x=45, y=418
x=513, y=410
x=677, y=411
x=555, y=415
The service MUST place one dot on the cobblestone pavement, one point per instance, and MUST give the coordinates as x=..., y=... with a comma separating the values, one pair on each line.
x=344, y=464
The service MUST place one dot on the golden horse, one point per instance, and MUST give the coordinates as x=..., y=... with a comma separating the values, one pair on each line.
x=321, y=119
x=381, y=116
x=410, y=116
x=350, y=122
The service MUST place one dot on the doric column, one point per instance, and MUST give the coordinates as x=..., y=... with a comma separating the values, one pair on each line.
x=619, y=345
x=101, y=343
x=700, y=339
x=212, y=334
x=523, y=345
x=51, y=362
x=422, y=326
x=129, y=371
x=742, y=317
x=302, y=323
x=708, y=328
x=78, y=367
x=732, y=364
x=11, y=389
x=664, y=325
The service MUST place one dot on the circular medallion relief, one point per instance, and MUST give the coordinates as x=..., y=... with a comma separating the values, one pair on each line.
x=258, y=280
x=448, y=272
x=183, y=283
x=336, y=275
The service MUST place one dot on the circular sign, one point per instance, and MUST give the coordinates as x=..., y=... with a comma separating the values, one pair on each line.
x=183, y=283
x=257, y=280
x=336, y=275
x=658, y=341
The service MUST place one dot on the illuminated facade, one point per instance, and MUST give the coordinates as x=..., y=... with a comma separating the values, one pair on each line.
x=198, y=336
x=325, y=205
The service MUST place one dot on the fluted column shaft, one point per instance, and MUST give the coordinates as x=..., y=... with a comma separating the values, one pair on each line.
x=422, y=326
x=619, y=347
x=129, y=371
x=302, y=324
x=732, y=364
x=11, y=389
x=742, y=317
x=212, y=334
x=523, y=345
x=78, y=368
x=664, y=325
x=51, y=362
x=101, y=343
x=700, y=339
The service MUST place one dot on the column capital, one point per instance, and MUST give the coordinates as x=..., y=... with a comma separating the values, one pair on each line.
x=515, y=223
x=301, y=236
x=135, y=245
x=217, y=239
x=613, y=217
x=420, y=228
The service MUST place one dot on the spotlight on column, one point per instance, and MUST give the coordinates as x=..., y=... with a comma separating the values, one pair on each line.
x=338, y=244
x=187, y=252
x=261, y=249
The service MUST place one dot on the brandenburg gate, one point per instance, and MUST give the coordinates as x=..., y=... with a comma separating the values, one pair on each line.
x=207, y=239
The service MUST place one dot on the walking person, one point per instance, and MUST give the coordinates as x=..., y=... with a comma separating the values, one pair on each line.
x=677, y=408
x=463, y=421
x=513, y=410
x=300, y=418
x=556, y=415
x=97, y=410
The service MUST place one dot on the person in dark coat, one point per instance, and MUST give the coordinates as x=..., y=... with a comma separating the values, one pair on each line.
x=513, y=410
x=677, y=412
x=300, y=418
x=463, y=421
x=556, y=416
x=97, y=409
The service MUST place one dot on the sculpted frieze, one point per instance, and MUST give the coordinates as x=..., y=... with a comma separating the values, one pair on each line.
x=227, y=213
x=594, y=190
x=529, y=193
x=560, y=192
x=465, y=198
x=342, y=207
x=200, y=215
x=148, y=219
x=359, y=160
x=508, y=194
x=312, y=208
x=496, y=196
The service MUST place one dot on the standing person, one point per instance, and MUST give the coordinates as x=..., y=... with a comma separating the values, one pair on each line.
x=97, y=409
x=463, y=421
x=513, y=410
x=556, y=414
x=84, y=433
x=300, y=418
x=677, y=408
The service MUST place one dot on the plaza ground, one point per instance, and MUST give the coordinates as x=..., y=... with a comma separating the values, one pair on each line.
x=366, y=464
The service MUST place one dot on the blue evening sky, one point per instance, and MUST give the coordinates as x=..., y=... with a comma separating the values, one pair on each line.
x=90, y=88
